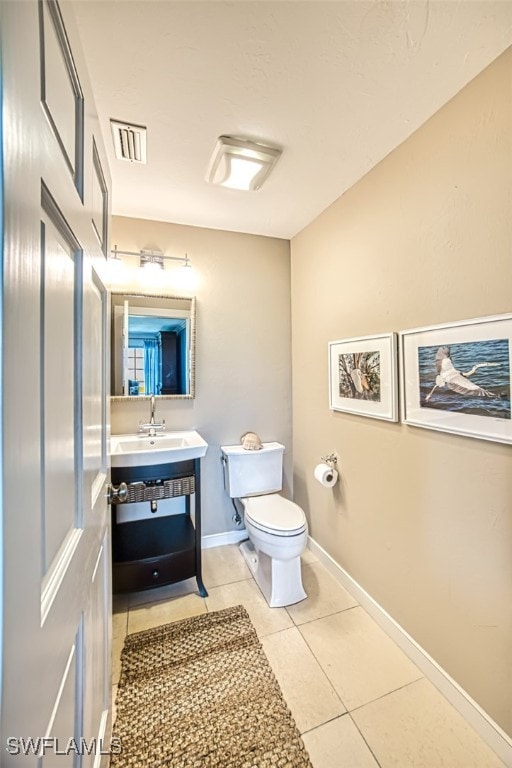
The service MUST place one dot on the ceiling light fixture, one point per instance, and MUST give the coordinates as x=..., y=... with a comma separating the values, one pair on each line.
x=240, y=164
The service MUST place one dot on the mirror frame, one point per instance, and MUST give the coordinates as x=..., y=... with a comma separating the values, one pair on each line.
x=192, y=358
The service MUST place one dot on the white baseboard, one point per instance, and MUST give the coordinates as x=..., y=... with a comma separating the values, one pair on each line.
x=220, y=539
x=484, y=725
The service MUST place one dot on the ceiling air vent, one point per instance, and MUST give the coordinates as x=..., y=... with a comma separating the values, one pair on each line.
x=129, y=141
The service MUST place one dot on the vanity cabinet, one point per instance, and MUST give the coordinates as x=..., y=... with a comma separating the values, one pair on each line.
x=154, y=551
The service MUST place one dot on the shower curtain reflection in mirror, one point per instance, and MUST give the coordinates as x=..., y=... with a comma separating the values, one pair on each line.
x=152, y=367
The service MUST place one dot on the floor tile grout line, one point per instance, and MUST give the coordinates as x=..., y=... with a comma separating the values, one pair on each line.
x=348, y=710
x=321, y=725
x=383, y=696
x=227, y=583
x=279, y=631
x=323, y=670
x=364, y=739
x=167, y=599
x=339, y=717
x=326, y=616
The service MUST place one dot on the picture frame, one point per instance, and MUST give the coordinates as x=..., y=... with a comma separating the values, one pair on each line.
x=455, y=377
x=363, y=376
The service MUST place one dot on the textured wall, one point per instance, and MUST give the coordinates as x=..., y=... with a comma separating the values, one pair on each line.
x=243, y=376
x=422, y=520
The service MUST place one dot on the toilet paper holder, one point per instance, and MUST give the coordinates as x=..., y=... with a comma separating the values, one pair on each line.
x=330, y=459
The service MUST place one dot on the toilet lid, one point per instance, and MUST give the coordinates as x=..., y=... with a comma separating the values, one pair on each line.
x=274, y=513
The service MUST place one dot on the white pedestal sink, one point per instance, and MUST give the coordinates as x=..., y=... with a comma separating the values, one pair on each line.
x=135, y=450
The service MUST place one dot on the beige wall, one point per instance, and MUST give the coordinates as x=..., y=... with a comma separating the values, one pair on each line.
x=422, y=520
x=243, y=377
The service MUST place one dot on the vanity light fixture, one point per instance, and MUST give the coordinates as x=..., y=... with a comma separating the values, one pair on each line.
x=241, y=164
x=115, y=258
x=150, y=259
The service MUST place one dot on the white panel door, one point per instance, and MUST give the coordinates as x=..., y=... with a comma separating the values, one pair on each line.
x=55, y=694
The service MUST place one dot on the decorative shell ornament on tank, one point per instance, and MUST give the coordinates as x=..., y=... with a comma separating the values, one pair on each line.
x=251, y=441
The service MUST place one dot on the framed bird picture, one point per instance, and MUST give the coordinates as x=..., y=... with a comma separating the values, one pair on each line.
x=363, y=376
x=456, y=377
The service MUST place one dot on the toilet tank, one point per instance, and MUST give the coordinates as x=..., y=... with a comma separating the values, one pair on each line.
x=252, y=473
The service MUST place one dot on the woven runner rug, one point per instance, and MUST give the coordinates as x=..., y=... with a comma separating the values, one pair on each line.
x=200, y=693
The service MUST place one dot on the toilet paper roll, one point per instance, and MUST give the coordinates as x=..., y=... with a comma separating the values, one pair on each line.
x=325, y=475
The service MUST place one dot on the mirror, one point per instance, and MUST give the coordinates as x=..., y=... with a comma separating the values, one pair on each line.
x=152, y=346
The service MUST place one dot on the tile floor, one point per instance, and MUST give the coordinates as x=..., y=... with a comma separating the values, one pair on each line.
x=358, y=701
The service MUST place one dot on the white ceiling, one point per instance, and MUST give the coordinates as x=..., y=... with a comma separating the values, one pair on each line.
x=338, y=85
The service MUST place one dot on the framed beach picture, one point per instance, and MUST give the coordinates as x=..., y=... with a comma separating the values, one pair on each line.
x=363, y=376
x=456, y=377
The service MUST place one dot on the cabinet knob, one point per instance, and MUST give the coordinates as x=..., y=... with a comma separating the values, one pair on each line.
x=117, y=495
x=156, y=574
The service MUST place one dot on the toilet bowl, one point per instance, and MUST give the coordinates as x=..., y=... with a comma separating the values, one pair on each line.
x=276, y=527
x=278, y=532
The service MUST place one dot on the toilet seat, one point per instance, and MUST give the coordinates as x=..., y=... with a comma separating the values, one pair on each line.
x=274, y=514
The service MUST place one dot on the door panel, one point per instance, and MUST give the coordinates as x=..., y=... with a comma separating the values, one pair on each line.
x=96, y=657
x=60, y=410
x=61, y=92
x=66, y=715
x=94, y=384
x=99, y=188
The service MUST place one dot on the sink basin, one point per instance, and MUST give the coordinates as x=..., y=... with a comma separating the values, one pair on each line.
x=141, y=450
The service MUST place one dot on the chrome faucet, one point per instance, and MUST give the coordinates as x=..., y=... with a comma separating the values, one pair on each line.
x=152, y=425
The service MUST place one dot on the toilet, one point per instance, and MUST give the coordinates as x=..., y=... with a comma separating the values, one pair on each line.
x=277, y=528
